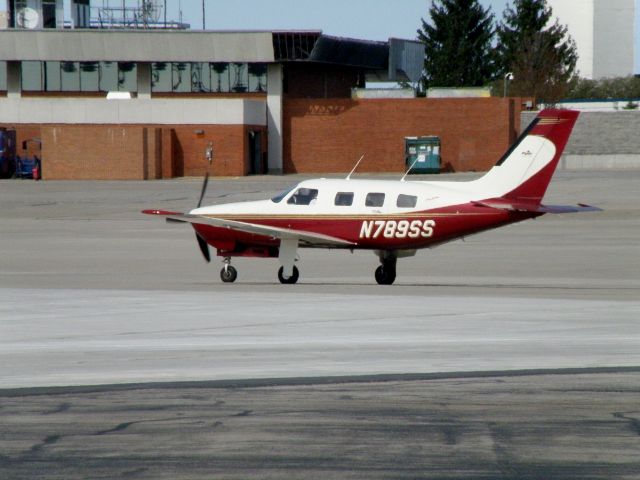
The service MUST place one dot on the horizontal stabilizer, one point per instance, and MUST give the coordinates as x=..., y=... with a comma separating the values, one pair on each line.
x=568, y=208
x=533, y=207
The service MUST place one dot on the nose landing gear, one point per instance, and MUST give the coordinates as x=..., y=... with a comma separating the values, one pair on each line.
x=228, y=274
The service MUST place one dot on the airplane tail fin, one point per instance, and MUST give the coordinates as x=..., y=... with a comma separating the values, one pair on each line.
x=523, y=174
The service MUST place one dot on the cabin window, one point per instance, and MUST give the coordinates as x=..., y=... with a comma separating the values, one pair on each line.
x=406, y=201
x=344, y=199
x=278, y=198
x=374, y=199
x=303, y=196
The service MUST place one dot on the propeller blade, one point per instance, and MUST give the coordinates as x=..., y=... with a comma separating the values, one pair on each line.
x=204, y=189
x=204, y=248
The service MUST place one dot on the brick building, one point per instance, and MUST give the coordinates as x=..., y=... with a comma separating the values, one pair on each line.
x=268, y=102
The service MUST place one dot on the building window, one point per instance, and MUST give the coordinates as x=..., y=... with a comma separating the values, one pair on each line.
x=31, y=76
x=181, y=77
x=239, y=77
x=161, y=77
x=127, y=77
x=70, y=76
x=89, y=76
x=202, y=77
x=108, y=77
x=52, y=78
x=219, y=77
x=3, y=76
x=78, y=76
x=49, y=14
x=257, y=77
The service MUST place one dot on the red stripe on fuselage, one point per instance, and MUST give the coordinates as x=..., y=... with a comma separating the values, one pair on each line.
x=442, y=225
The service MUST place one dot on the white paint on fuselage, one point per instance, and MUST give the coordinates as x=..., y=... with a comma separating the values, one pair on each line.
x=429, y=196
x=528, y=158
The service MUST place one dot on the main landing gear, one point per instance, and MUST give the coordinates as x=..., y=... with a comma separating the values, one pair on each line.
x=288, y=280
x=386, y=272
x=228, y=274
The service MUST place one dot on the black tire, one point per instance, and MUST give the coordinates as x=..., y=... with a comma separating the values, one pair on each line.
x=228, y=274
x=385, y=276
x=292, y=279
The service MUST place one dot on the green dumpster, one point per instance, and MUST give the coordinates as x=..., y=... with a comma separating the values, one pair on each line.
x=423, y=153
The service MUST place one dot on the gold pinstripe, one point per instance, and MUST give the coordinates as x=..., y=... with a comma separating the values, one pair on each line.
x=340, y=217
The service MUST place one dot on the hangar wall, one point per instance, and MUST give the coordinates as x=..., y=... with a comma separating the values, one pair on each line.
x=330, y=135
x=137, y=152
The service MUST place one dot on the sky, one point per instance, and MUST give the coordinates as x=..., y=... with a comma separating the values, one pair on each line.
x=364, y=19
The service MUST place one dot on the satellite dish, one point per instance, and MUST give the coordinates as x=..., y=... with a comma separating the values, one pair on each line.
x=27, y=18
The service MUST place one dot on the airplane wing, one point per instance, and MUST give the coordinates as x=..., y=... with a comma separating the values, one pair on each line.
x=307, y=238
x=520, y=206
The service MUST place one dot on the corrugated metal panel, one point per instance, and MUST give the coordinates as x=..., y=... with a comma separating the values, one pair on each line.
x=136, y=46
x=348, y=51
x=294, y=45
x=406, y=59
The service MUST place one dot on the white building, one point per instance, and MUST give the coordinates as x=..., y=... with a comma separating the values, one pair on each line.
x=606, y=34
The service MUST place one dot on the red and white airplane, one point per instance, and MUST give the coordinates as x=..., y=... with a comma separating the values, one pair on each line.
x=391, y=218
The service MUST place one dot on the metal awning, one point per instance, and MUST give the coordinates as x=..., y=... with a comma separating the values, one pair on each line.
x=394, y=60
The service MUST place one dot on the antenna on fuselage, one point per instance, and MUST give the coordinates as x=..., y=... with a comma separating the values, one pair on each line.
x=354, y=168
x=407, y=172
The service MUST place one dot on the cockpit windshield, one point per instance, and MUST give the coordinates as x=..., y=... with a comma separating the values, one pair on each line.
x=278, y=198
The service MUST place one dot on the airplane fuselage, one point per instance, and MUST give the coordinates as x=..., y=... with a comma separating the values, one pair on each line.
x=366, y=214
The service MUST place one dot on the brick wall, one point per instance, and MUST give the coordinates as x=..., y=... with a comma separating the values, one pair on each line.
x=230, y=144
x=136, y=152
x=330, y=135
x=310, y=80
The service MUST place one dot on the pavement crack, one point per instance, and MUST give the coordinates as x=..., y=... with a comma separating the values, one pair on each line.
x=118, y=428
x=48, y=440
x=63, y=407
x=123, y=426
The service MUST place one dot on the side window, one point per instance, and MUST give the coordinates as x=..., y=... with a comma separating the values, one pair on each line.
x=406, y=201
x=303, y=196
x=374, y=200
x=344, y=199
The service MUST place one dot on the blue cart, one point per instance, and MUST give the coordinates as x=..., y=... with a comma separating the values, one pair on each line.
x=25, y=166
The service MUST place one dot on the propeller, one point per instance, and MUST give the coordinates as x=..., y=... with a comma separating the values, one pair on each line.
x=204, y=247
x=202, y=243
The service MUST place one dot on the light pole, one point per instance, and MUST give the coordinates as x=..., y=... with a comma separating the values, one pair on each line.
x=507, y=78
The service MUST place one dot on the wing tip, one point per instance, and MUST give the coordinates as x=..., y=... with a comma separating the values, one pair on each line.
x=160, y=212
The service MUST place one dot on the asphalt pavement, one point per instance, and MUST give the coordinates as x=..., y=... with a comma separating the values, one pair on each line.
x=513, y=354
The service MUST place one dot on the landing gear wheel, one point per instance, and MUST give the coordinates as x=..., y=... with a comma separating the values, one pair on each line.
x=385, y=276
x=228, y=274
x=292, y=279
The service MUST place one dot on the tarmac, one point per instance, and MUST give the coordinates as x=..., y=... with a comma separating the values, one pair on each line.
x=513, y=354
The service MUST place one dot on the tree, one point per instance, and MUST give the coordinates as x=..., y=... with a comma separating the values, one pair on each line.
x=457, y=44
x=540, y=54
